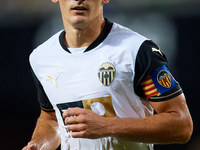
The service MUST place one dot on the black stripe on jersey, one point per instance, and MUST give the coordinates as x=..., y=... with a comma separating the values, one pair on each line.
x=61, y=40
x=42, y=97
x=146, y=62
x=106, y=30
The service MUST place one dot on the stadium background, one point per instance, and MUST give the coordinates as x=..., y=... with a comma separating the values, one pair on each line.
x=174, y=25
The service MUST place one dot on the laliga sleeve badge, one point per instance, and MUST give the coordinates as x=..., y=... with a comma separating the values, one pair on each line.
x=106, y=73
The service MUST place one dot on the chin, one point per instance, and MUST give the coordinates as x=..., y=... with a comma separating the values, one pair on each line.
x=78, y=22
x=79, y=19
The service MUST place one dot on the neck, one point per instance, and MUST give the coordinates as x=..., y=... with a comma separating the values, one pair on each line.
x=84, y=35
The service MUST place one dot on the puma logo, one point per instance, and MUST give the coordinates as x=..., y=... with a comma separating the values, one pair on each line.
x=157, y=50
x=53, y=80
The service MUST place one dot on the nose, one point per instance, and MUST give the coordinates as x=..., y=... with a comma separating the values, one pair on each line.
x=80, y=1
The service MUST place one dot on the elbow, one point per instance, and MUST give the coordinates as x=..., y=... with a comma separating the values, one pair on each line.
x=186, y=136
x=185, y=133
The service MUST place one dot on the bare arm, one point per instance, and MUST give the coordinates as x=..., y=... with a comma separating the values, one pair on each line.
x=45, y=135
x=172, y=124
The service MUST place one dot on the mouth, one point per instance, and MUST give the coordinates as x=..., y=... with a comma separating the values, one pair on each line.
x=79, y=8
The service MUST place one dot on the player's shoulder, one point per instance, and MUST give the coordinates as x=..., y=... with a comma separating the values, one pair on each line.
x=49, y=42
x=42, y=50
x=125, y=31
x=125, y=37
x=128, y=37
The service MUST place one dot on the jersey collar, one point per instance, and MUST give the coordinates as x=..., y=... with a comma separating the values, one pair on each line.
x=101, y=37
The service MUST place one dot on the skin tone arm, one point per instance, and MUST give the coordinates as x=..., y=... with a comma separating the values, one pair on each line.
x=172, y=124
x=45, y=135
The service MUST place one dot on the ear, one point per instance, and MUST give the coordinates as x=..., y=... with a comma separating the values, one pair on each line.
x=55, y=1
x=105, y=1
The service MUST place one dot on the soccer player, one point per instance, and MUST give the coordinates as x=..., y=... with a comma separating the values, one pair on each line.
x=98, y=85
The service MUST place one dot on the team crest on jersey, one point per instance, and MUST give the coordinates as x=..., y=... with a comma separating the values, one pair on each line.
x=164, y=79
x=106, y=73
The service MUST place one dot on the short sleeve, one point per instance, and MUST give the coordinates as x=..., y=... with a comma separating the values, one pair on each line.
x=42, y=97
x=153, y=80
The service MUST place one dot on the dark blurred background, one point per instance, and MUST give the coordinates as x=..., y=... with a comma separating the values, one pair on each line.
x=174, y=25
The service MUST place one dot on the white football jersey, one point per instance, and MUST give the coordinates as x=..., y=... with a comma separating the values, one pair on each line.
x=100, y=79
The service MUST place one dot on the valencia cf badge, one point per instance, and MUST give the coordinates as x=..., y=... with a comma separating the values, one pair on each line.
x=164, y=79
x=106, y=73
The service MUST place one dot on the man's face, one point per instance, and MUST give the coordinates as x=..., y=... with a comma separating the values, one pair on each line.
x=79, y=12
